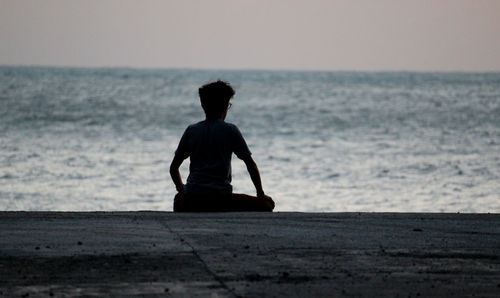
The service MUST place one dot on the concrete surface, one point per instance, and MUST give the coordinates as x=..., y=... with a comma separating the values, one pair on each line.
x=249, y=254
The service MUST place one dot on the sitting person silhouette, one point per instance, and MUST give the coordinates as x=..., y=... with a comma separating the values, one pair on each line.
x=210, y=144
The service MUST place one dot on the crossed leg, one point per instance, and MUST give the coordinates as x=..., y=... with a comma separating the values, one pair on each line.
x=225, y=203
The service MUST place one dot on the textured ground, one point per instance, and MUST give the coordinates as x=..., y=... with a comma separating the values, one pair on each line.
x=249, y=254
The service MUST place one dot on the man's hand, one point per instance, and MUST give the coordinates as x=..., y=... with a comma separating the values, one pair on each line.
x=267, y=198
x=180, y=188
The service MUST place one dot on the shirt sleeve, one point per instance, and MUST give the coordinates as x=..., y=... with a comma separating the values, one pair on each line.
x=240, y=147
x=183, y=149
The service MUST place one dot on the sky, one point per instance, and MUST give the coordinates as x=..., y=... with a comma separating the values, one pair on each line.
x=352, y=35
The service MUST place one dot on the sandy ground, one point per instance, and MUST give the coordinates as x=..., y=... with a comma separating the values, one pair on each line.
x=249, y=254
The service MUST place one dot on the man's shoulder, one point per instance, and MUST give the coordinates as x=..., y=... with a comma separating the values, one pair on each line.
x=231, y=125
x=221, y=125
x=235, y=131
x=195, y=125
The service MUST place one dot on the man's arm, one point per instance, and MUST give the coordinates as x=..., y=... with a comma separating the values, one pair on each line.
x=175, y=174
x=255, y=176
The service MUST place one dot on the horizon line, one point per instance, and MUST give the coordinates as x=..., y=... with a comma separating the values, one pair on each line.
x=223, y=69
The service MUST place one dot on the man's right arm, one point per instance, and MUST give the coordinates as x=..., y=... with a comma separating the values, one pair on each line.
x=255, y=176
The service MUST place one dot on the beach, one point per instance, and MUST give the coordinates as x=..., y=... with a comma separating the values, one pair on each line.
x=249, y=254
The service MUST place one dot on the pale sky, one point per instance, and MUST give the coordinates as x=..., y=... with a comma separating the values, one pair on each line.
x=371, y=35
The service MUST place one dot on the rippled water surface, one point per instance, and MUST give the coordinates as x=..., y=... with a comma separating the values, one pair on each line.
x=102, y=139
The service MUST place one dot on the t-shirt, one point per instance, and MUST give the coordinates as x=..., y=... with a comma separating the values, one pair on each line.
x=210, y=144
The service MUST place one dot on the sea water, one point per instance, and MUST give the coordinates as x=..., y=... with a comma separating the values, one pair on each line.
x=102, y=139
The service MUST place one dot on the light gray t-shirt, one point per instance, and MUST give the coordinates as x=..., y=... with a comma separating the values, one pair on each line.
x=210, y=144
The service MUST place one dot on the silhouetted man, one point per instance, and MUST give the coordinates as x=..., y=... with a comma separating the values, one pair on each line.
x=210, y=144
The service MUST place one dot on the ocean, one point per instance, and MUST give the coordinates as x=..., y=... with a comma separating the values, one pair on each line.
x=84, y=139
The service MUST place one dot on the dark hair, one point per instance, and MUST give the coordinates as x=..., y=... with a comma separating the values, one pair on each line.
x=214, y=97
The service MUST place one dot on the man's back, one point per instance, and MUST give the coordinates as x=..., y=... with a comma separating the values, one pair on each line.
x=210, y=144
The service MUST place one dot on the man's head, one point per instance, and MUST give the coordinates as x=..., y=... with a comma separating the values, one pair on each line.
x=215, y=98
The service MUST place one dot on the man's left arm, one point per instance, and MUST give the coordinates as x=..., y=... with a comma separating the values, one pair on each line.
x=175, y=174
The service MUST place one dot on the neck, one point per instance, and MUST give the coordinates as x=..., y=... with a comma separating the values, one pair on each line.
x=220, y=117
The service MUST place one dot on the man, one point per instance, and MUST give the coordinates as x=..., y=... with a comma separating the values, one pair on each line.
x=209, y=144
